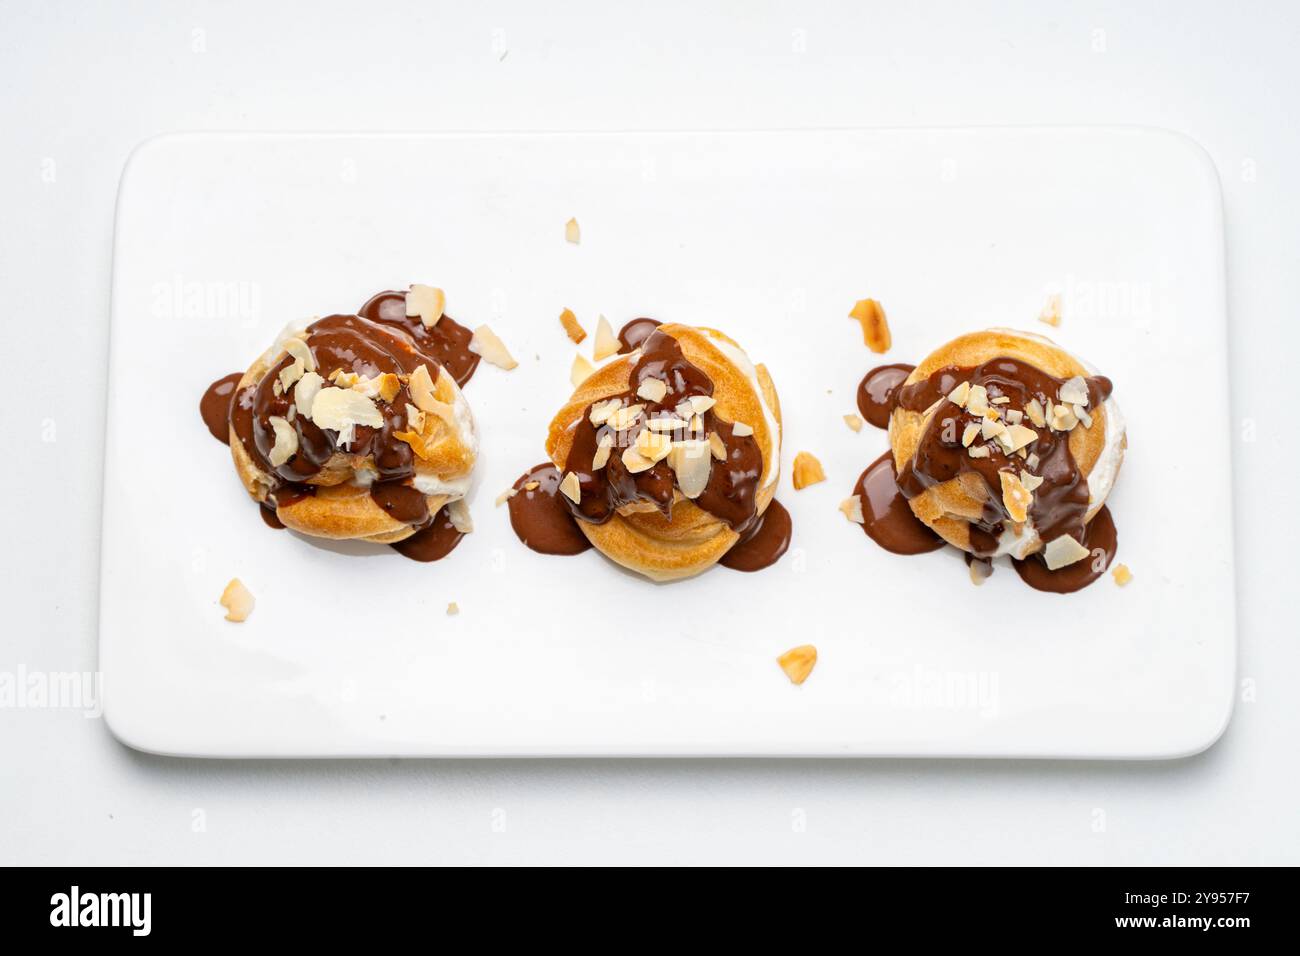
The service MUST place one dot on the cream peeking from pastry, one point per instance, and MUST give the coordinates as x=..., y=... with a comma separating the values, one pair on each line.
x=354, y=427
x=1001, y=443
x=665, y=459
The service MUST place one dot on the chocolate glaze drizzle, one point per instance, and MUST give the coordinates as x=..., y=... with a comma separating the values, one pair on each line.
x=540, y=515
x=380, y=339
x=545, y=520
x=1059, y=504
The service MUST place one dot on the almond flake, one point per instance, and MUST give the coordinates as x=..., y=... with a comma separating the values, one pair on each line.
x=807, y=471
x=1001, y=400
x=1015, y=497
x=458, y=515
x=571, y=232
x=798, y=662
x=854, y=422
x=741, y=430
x=414, y=418
x=653, y=445
x=991, y=429
x=717, y=446
x=1074, y=391
x=1081, y=413
x=1063, y=551
x=572, y=329
x=290, y=374
x=1035, y=412
x=634, y=461
x=959, y=394
x=506, y=496
x=341, y=409
x=286, y=441
x=1014, y=416
x=851, y=508
x=875, y=328
x=968, y=434
x=979, y=569
x=580, y=371
x=1051, y=313
x=570, y=488
x=977, y=400
x=427, y=302
x=600, y=411
x=702, y=403
x=1122, y=574
x=652, y=390
x=486, y=343
x=1032, y=462
x=691, y=462
x=1020, y=437
x=1031, y=482
x=301, y=351
x=601, y=457
x=453, y=609
x=665, y=423
x=607, y=342
x=532, y=485
x=1063, y=418
x=237, y=600
x=621, y=419
x=978, y=451
x=305, y=392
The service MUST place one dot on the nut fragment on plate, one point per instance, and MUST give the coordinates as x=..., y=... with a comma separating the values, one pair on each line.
x=580, y=371
x=237, y=600
x=798, y=662
x=607, y=342
x=453, y=608
x=486, y=343
x=854, y=422
x=851, y=507
x=427, y=302
x=1122, y=574
x=571, y=232
x=979, y=569
x=1051, y=314
x=572, y=329
x=875, y=329
x=807, y=471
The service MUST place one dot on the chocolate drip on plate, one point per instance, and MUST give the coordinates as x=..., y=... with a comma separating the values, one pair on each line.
x=878, y=391
x=431, y=543
x=215, y=406
x=1100, y=538
x=541, y=517
x=764, y=543
x=447, y=342
x=887, y=518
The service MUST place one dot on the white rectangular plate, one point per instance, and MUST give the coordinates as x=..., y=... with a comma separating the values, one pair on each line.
x=771, y=237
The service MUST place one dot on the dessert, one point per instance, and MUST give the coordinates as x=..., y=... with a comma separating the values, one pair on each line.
x=665, y=459
x=355, y=426
x=1001, y=443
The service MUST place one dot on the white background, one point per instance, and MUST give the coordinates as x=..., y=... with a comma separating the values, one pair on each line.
x=81, y=84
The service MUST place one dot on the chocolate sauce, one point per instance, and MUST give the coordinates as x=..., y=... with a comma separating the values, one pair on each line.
x=633, y=335
x=1059, y=503
x=447, y=342
x=541, y=516
x=887, y=518
x=764, y=543
x=380, y=339
x=431, y=543
x=877, y=392
x=1099, y=537
x=733, y=480
x=401, y=502
x=214, y=406
x=270, y=518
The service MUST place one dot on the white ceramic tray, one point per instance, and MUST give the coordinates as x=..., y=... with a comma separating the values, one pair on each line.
x=770, y=236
